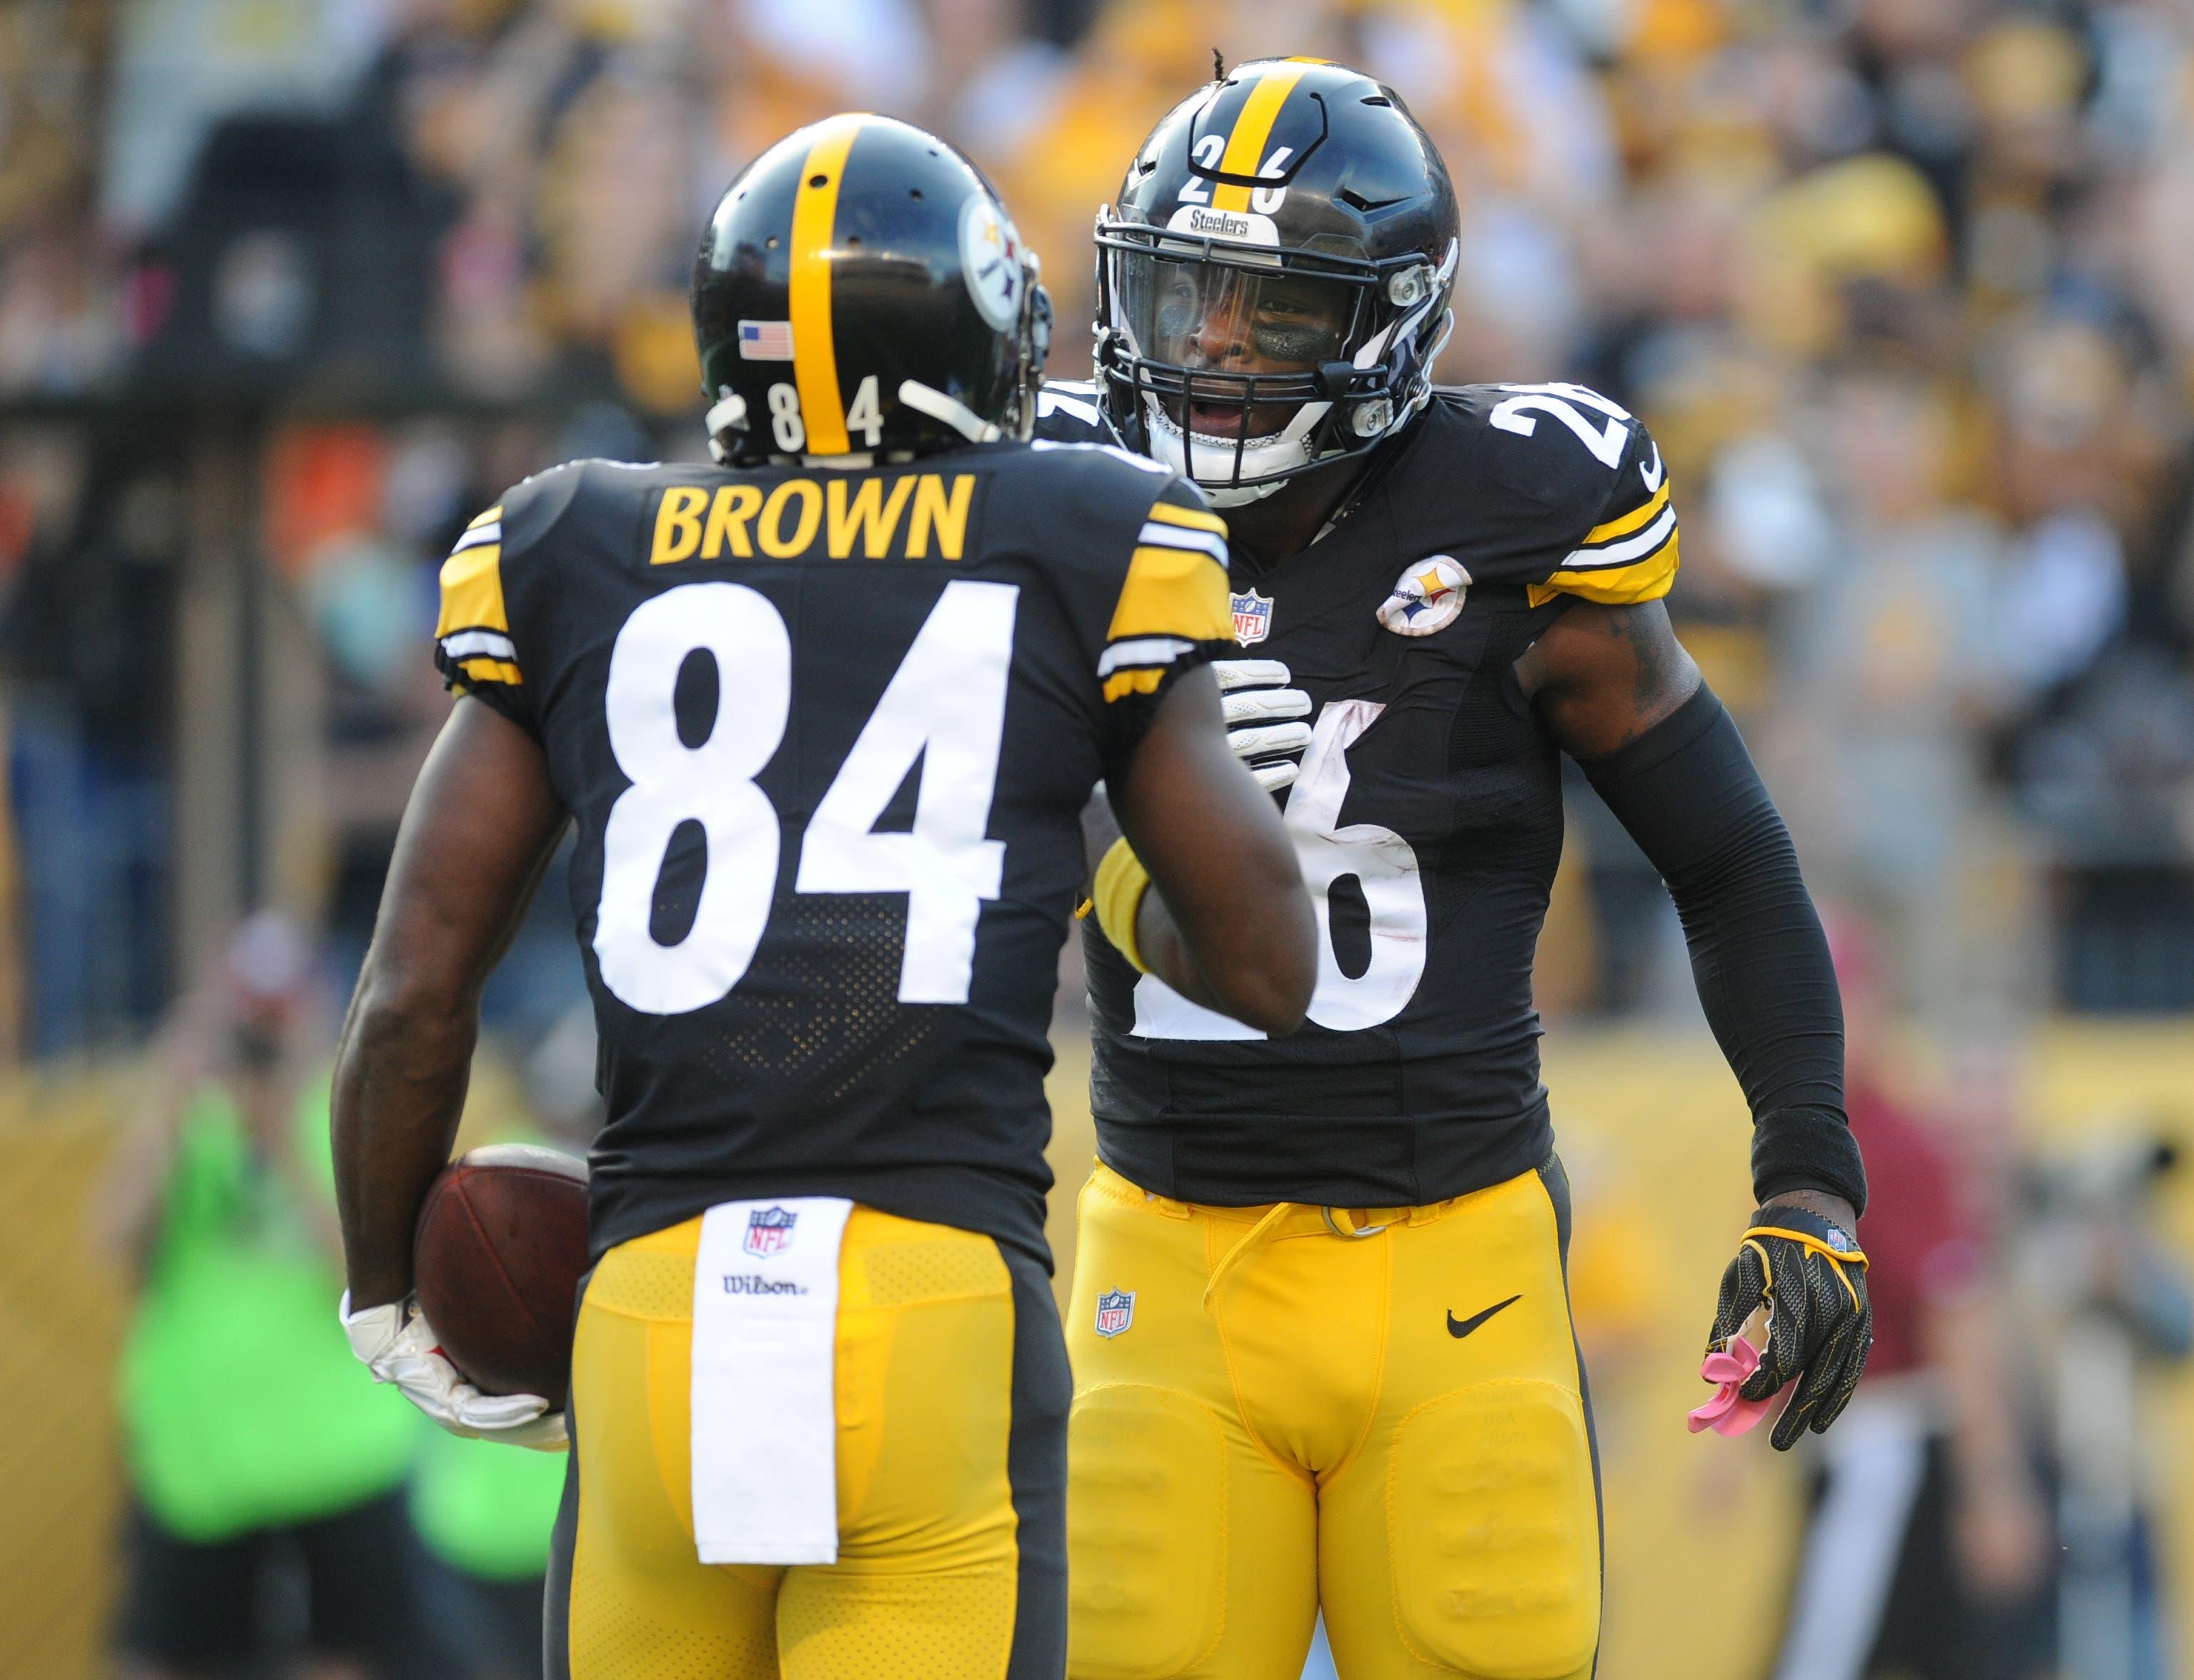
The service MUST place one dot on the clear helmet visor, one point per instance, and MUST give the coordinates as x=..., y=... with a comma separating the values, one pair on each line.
x=1247, y=342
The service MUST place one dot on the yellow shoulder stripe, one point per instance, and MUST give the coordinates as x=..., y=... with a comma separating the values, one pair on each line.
x=472, y=591
x=1133, y=682
x=1252, y=127
x=1192, y=518
x=486, y=519
x=493, y=671
x=1645, y=580
x=1636, y=519
x=1174, y=591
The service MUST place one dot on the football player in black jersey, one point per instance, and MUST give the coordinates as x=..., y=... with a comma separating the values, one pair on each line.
x=823, y=719
x=1319, y=1295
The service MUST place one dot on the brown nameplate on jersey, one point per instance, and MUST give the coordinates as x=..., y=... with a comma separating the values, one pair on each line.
x=837, y=516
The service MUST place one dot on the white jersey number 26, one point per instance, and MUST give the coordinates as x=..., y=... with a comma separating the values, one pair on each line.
x=1384, y=867
x=946, y=706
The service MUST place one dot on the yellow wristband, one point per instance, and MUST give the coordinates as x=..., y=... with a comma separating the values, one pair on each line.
x=1122, y=880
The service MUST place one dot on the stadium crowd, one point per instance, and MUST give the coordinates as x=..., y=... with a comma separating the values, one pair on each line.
x=1901, y=285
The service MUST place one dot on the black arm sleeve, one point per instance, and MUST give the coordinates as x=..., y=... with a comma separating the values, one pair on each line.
x=1688, y=793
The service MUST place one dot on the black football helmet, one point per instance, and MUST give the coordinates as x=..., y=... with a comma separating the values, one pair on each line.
x=860, y=291
x=1272, y=287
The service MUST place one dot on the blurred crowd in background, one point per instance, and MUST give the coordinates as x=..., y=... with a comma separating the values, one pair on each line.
x=1903, y=287
x=291, y=288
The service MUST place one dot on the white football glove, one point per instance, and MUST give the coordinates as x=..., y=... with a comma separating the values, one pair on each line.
x=1265, y=718
x=397, y=1346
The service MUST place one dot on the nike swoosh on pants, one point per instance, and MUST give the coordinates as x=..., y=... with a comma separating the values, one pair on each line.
x=1464, y=1326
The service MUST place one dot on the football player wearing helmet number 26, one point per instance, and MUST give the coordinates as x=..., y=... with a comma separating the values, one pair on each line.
x=1321, y=1340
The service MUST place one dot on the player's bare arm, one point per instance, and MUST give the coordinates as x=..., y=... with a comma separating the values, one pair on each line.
x=1620, y=694
x=1601, y=676
x=481, y=826
x=1228, y=925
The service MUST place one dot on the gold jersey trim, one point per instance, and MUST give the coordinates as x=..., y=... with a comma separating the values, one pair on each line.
x=1644, y=580
x=1173, y=592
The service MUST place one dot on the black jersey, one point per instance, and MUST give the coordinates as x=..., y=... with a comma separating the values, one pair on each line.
x=824, y=736
x=1428, y=817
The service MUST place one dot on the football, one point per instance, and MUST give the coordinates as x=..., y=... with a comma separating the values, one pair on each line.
x=497, y=1260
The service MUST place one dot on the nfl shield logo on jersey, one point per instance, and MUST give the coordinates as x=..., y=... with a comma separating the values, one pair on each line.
x=1253, y=618
x=1116, y=1308
x=1428, y=597
x=769, y=1231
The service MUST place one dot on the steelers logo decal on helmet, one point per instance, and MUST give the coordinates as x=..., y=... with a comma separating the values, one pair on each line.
x=990, y=261
x=1428, y=597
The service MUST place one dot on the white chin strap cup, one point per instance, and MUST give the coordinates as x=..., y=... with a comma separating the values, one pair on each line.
x=1210, y=462
x=1237, y=495
x=925, y=400
x=729, y=414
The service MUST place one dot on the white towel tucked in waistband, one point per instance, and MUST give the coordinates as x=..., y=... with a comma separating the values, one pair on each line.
x=765, y=1416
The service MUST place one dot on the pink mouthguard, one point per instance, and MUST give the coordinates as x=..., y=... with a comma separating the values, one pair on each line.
x=1729, y=1413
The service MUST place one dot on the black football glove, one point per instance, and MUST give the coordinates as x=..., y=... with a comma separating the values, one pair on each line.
x=1265, y=718
x=1811, y=1275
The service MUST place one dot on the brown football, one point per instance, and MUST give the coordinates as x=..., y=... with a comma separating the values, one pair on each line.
x=497, y=1260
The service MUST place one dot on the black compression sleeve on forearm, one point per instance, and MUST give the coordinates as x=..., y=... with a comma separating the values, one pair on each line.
x=1688, y=793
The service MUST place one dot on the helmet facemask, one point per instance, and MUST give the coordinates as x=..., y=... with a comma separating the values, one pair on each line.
x=1243, y=365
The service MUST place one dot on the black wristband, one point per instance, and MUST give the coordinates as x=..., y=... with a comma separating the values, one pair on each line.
x=1806, y=1149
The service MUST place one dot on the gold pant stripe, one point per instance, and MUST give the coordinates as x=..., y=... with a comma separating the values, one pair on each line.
x=927, y=1581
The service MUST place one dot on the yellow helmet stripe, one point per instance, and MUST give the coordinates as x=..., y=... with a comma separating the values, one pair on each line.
x=1252, y=127
x=814, y=349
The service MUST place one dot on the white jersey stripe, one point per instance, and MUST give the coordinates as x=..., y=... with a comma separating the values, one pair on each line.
x=1142, y=650
x=1627, y=552
x=471, y=643
x=489, y=532
x=1159, y=535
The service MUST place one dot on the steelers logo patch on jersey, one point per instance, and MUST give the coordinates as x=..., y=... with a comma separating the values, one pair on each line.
x=1428, y=597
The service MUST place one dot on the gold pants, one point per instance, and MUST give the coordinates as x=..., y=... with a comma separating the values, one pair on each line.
x=951, y=1393
x=1273, y=1414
